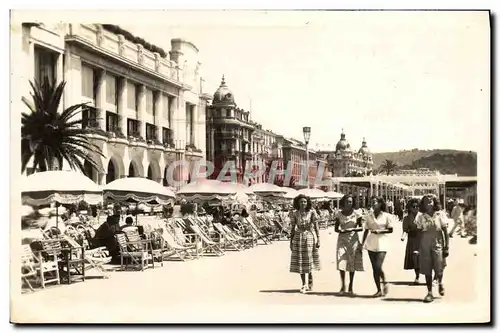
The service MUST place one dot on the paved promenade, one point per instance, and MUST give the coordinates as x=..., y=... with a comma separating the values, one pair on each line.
x=253, y=285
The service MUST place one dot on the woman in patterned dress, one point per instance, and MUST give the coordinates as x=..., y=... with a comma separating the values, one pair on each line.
x=378, y=225
x=348, y=222
x=433, y=242
x=410, y=232
x=304, y=241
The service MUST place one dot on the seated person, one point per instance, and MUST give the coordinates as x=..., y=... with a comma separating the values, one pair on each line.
x=105, y=235
x=129, y=227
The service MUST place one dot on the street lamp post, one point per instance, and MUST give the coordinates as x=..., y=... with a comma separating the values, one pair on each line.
x=307, y=135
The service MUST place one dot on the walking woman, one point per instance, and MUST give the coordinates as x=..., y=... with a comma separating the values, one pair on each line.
x=378, y=225
x=348, y=222
x=410, y=232
x=304, y=241
x=433, y=242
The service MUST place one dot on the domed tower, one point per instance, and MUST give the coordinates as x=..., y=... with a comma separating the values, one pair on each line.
x=366, y=157
x=364, y=148
x=223, y=97
x=229, y=131
x=342, y=144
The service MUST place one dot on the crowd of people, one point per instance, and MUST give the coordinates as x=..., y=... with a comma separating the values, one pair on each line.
x=425, y=229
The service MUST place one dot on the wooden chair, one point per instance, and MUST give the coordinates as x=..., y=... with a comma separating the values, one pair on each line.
x=48, y=254
x=138, y=253
x=95, y=258
x=29, y=266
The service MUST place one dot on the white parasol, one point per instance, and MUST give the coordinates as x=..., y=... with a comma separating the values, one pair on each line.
x=313, y=193
x=333, y=195
x=291, y=193
x=139, y=190
x=207, y=190
x=65, y=187
x=267, y=189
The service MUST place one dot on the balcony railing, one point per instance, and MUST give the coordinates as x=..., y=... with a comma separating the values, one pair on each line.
x=118, y=45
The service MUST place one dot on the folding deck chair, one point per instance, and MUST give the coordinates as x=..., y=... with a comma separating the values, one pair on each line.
x=95, y=258
x=208, y=243
x=280, y=231
x=180, y=250
x=259, y=233
x=228, y=238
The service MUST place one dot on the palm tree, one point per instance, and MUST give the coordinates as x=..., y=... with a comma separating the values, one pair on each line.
x=51, y=137
x=388, y=166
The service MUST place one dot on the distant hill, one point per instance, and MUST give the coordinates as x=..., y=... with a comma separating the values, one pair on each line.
x=463, y=163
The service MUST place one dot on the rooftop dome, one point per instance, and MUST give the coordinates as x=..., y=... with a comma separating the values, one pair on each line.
x=364, y=148
x=223, y=94
x=342, y=144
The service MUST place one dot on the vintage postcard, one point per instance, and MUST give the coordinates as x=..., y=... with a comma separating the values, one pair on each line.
x=250, y=166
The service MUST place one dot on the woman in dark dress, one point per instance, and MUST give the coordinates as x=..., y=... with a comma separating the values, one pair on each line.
x=410, y=232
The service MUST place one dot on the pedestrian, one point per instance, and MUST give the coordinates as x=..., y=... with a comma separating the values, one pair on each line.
x=348, y=222
x=410, y=233
x=457, y=214
x=378, y=224
x=433, y=242
x=304, y=241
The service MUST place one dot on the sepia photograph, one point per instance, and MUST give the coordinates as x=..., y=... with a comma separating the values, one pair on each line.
x=250, y=166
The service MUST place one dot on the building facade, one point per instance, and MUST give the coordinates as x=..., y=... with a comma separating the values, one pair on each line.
x=229, y=134
x=345, y=161
x=294, y=161
x=148, y=109
x=267, y=148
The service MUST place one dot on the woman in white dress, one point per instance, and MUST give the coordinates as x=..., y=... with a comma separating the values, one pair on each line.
x=378, y=225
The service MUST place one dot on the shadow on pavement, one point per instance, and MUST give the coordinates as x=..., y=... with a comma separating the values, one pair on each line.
x=407, y=300
x=336, y=294
x=281, y=291
x=406, y=283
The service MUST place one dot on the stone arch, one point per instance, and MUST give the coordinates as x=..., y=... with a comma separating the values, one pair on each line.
x=112, y=172
x=154, y=172
x=90, y=171
x=115, y=167
x=135, y=169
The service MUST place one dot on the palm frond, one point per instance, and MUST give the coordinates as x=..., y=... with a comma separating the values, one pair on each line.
x=51, y=137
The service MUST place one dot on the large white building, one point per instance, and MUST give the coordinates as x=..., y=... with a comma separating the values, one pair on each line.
x=147, y=104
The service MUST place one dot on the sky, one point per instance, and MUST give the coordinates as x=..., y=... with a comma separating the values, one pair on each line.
x=402, y=80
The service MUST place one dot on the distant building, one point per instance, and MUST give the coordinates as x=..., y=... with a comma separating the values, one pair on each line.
x=294, y=158
x=345, y=162
x=229, y=133
x=267, y=148
x=417, y=172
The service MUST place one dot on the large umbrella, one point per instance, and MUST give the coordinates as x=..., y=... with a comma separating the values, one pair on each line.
x=313, y=193
x=268, y=190
x=207, y=190
x=65, y=187
x=138, y=190
x=333, y=195
x=291, y=193
x=243, y=193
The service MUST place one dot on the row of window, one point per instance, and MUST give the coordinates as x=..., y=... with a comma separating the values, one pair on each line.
x=89, y=117
x=46, y=68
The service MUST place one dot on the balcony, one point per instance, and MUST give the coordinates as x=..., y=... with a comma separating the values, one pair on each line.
x=232, y=121
x=94, y=37
x=193, y=153
x=227, y=134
